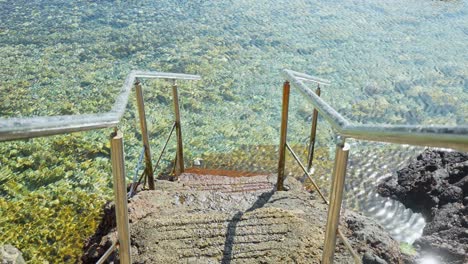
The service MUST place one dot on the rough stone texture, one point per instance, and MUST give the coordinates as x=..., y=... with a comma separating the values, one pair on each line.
x=103, y=238
x=10, y=255
x=436, y=184
x=217, y=219
x=371, y=259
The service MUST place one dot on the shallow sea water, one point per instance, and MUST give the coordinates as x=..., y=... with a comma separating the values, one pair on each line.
x=395, y=62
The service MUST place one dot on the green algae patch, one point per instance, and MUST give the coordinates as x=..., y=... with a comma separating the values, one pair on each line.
x=408, y=249
x=51, y=194
x=51, y=224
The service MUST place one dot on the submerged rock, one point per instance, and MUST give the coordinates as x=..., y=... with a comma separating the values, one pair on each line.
x=221, y=219
x=436, y=184
x=10, y=255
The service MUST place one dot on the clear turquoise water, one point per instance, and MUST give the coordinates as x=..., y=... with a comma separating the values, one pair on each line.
x=399, y=62
x=407, y=58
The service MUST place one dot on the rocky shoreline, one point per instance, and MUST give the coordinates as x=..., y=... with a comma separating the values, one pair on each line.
x=436, y=185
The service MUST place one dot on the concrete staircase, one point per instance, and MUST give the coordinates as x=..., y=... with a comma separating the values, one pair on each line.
x=213, y=216
x=223, y=218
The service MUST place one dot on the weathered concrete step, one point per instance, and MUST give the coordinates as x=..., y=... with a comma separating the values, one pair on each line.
x=265, y=232
x=206, y=218
x=225, y=181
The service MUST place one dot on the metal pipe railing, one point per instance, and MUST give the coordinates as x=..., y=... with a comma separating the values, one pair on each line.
x=309, y=78
x=284, y=132
x=336, y=198
x=343, y=238
x=120, y=192
x=144, y=134
x=313, y=133
x=30, y=127
x=179, y=161
x=306, y=172
x=437, y=136
x=107, y=254
x=455, y=137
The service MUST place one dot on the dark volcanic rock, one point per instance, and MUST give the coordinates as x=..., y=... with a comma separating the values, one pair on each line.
x=97, y=244
x=436, y=185
x=371, y=235
x=446, y=234
x=371, y=259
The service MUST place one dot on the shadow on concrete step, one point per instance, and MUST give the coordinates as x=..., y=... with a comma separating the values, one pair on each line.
x=231, y=228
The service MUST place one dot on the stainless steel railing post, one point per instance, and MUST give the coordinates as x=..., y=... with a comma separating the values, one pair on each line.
x=336, y=198
x=313, y=133
x=284, y=132
x=120, y=192
x=179, y=165
x=144, y=134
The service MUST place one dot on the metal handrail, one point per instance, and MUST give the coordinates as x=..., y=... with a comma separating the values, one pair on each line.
x=29, y=127
x=455, y=137
x=307, y=173
x=107, y=254
x=437, y=136
x=317, y=188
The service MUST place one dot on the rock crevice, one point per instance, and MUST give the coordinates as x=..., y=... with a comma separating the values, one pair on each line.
x=436, y=185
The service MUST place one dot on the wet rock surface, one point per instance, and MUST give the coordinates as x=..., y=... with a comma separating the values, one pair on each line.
x=102, y=239
x=436, y=184
x=218, y=219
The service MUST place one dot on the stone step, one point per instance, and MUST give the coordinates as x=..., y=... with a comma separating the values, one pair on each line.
x=231, y=218
x=225, y=181
x=271, y=233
